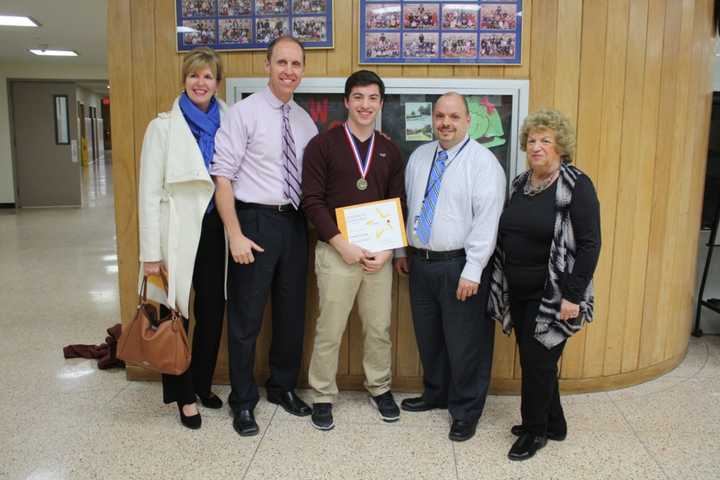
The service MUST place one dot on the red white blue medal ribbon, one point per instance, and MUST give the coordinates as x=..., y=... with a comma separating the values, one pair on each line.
x=362, y=182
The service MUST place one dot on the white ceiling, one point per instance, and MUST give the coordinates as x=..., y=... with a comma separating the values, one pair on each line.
x=79, y=25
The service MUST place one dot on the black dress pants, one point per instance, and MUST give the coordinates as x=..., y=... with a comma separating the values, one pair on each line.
x=540, y=408
x=209, y=309
x=455, y=339
x=281, y=270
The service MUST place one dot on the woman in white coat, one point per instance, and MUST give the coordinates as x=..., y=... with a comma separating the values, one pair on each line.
x=181, y=232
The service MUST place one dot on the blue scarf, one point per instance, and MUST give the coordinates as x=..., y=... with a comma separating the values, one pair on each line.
x=203, y=125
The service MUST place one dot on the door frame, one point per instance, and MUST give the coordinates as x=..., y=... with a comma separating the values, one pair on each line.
x=11, y=117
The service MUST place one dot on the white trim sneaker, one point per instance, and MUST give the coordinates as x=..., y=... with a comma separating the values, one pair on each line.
x=386, y=407
x=321, y=417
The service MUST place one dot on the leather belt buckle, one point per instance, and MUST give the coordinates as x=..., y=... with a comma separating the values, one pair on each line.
x=284, y=208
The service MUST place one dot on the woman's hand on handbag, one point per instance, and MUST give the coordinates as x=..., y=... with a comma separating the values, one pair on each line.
x=153, y=268
x=569, y=310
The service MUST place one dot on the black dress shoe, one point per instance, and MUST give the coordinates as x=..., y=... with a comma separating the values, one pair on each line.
x=244, y=423
x=518, y=430
x=419, y=404
x=290, y=402
x=526, y=446
x=462, y=430
x=193, y=421
x=211, y=401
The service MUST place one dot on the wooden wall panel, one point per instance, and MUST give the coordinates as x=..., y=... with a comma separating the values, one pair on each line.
x=606, y=179
x=543, y=52
x=123, y=166
x=567, y=61
x=684, y=280
x=594, y=28
x=632, y=74
x=639, y=252
x=679, y=194
x=655, y=313
x=621, y=324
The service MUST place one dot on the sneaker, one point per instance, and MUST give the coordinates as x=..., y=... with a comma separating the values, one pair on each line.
x=322, y=418
x=386, y=407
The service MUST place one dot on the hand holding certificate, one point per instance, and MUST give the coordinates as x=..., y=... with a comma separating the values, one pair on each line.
x=374, y=226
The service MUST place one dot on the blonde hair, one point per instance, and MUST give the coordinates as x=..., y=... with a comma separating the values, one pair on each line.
x=199, y=58
x=553, y=120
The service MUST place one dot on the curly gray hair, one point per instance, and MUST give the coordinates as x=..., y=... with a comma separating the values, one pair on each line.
x=553, y=120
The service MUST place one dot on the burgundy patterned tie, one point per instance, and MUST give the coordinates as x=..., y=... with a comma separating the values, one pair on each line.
x=292, y=173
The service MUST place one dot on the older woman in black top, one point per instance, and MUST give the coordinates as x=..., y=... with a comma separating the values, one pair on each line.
x=548, y=247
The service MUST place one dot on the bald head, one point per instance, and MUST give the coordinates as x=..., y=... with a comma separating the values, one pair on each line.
x=451, y=119
x=457, y=97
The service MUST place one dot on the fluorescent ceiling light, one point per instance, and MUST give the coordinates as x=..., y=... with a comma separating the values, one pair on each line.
x=16, y=21
x=54, y=53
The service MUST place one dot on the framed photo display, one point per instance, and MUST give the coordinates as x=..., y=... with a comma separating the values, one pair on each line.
x=252, y=24
x=441, y=31
x=497, y=109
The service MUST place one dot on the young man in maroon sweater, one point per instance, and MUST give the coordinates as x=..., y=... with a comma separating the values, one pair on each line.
x=348, y=165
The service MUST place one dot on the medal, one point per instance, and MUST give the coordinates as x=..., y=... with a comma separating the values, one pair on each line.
x=361, y=183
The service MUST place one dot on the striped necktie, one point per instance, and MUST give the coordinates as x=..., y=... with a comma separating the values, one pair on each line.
x=292, y=173
x=427, y=211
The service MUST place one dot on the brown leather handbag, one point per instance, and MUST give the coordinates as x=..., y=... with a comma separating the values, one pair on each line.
x=158, y=344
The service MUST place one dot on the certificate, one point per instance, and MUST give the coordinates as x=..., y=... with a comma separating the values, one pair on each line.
x=374, y=226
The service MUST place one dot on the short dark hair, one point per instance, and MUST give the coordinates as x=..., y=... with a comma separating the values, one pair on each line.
x=363, y=78
x=284, y=38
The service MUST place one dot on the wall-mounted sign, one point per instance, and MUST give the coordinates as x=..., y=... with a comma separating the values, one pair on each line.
x=458, y=31
x=252, y=24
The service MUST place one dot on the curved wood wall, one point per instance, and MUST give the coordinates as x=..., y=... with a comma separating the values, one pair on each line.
x=634, y=76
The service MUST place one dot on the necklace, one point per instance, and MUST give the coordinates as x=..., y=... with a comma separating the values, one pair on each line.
x=531, y=190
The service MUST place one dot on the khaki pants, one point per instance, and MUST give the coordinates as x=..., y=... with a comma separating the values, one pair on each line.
x=338, y=285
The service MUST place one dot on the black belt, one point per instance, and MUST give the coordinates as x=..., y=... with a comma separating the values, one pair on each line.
x=431, y=255
x=284, y=208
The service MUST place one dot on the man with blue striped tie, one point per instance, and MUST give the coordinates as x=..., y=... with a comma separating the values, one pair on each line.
x=455, y=193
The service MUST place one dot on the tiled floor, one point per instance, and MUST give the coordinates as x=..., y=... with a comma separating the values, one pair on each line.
x=64, y=419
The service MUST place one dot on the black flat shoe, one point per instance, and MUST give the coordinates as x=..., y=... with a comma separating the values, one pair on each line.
x=419, y=404
x=526, y=446
x=244, y=423
x=462, y=430
x=211, y=401
x=192, y=422
x=290, y=402
x=518, y=430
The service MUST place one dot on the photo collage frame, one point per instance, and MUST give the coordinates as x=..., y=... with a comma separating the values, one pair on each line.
x=252, y=24
x=431, y=32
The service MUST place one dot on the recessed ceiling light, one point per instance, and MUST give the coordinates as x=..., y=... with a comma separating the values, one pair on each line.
x=54, y=53
x=17, y=21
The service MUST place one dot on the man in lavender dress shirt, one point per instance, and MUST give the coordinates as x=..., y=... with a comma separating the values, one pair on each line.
x=257, y=164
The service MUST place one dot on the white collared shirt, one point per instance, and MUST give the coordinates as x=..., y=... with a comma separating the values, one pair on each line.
x=469, y=205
